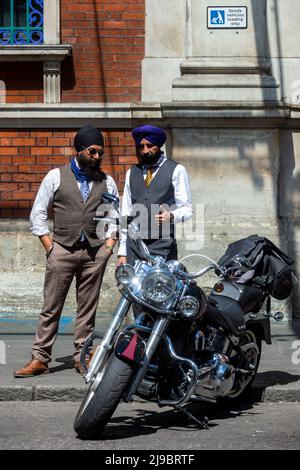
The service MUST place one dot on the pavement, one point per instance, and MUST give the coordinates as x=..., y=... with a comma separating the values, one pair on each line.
x=278, y=377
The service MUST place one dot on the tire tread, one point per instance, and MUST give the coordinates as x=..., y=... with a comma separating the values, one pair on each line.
x=105, y=400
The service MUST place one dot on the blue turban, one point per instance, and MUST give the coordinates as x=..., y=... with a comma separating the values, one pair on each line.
x=153, y=134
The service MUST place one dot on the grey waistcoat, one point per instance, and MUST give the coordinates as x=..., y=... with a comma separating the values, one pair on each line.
x=160, y=192
x=71, y=215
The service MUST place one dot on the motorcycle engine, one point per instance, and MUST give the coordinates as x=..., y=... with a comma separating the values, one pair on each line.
x=214, y=340
x=221, y=379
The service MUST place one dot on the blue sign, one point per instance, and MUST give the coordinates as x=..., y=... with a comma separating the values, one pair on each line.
x=217, y=16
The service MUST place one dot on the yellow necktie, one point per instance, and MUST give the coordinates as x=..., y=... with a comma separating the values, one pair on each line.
x=149, y=177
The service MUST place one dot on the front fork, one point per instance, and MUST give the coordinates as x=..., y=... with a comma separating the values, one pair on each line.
x=108, y=341
x=155, y=337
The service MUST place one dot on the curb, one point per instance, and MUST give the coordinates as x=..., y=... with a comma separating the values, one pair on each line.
x=42, y=393
x=277, y=394
x=62, y=393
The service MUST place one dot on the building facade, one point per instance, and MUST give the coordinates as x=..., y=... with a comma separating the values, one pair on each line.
x=223, y=80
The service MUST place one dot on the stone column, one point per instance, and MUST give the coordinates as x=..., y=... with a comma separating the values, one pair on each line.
x=52, y=68
x=51, y=21
x=164, y=48
x=2, y=92
x=52, y=73
x=226, y=64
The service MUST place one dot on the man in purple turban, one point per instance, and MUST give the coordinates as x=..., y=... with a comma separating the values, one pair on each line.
x=160, y=187
x=152, y=134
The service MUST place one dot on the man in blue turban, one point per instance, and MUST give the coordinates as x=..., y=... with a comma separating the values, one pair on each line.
x=153, y=134
x=160, y=187
x=154, y=138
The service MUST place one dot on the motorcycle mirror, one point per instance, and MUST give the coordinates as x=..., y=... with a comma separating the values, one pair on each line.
x=278, y=316
x=240, y=260
x=134, y=234
x=109, y=198
x=143, y=250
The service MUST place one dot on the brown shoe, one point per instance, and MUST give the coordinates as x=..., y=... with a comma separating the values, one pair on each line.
x=34, y=367
x=78, y=365
x=78, y=368
x=90, y=358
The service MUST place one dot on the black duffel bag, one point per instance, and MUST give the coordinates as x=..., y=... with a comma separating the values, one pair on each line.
x=282, y=278
x=267, y=266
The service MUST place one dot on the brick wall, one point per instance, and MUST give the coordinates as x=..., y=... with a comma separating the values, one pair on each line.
x=26, y=156
x=107, y=37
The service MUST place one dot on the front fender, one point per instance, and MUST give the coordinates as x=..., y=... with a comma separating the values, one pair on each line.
x=130, y=347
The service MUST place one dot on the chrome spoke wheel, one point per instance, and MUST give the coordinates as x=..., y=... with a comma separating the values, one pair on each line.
x=251, y=346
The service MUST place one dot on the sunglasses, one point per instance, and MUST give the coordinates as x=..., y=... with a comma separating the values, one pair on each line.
x=93, y=152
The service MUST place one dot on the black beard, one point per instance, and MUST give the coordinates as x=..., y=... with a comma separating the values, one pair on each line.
x=150, y=161
x=91, y=168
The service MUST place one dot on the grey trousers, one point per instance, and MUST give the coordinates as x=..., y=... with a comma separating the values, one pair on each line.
x=87, y=265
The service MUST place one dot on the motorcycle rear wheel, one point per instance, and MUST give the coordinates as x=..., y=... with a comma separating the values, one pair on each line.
x=102, y=399
x=243, y=384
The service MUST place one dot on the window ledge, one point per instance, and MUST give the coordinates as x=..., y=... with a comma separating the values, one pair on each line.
x=31, y=52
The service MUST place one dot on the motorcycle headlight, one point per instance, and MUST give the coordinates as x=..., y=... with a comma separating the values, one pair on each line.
x=194, y=303
x=125, y=275
x=158, y=286
x=189, y=306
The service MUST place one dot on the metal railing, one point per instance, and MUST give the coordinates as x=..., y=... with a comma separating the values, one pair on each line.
x=21, y=22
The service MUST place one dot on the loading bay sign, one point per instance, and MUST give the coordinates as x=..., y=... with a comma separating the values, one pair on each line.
x=227, y=18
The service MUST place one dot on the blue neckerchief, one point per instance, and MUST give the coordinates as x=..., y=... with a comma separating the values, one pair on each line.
x=78, y=172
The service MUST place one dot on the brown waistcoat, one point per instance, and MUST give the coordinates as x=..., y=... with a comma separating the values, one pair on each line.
x=71, y=214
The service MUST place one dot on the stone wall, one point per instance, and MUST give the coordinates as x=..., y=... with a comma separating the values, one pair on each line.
x=22, y=266
x=237, y=176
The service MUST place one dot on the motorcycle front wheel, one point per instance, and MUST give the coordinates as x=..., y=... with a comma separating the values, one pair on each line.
x=102, y=398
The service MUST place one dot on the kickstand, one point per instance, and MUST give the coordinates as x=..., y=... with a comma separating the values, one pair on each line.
x=203, y=424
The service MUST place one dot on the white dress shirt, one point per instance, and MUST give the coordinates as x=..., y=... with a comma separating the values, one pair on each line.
x=44, y=197
x=182, y=195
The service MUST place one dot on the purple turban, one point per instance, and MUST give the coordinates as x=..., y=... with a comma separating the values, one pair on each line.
x=153, y=134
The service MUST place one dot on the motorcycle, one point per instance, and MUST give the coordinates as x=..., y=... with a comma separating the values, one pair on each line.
x=183, y=347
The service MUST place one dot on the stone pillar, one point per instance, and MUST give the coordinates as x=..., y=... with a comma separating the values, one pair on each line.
x=52, y=73
x=2, y=92
x=226, y=64
x=52, y=68
x=289, y=202
x=51, y=21
x=164, y=48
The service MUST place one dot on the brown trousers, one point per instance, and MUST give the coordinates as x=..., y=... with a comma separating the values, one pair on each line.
x=87, y=265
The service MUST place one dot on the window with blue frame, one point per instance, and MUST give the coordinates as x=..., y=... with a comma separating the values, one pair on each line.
x=21, y=22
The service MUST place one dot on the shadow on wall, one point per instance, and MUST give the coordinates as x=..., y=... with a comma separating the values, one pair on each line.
x=286, y=186
x=288, y=203
x=288, y=182
x=22, y=77
x=68, y=78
